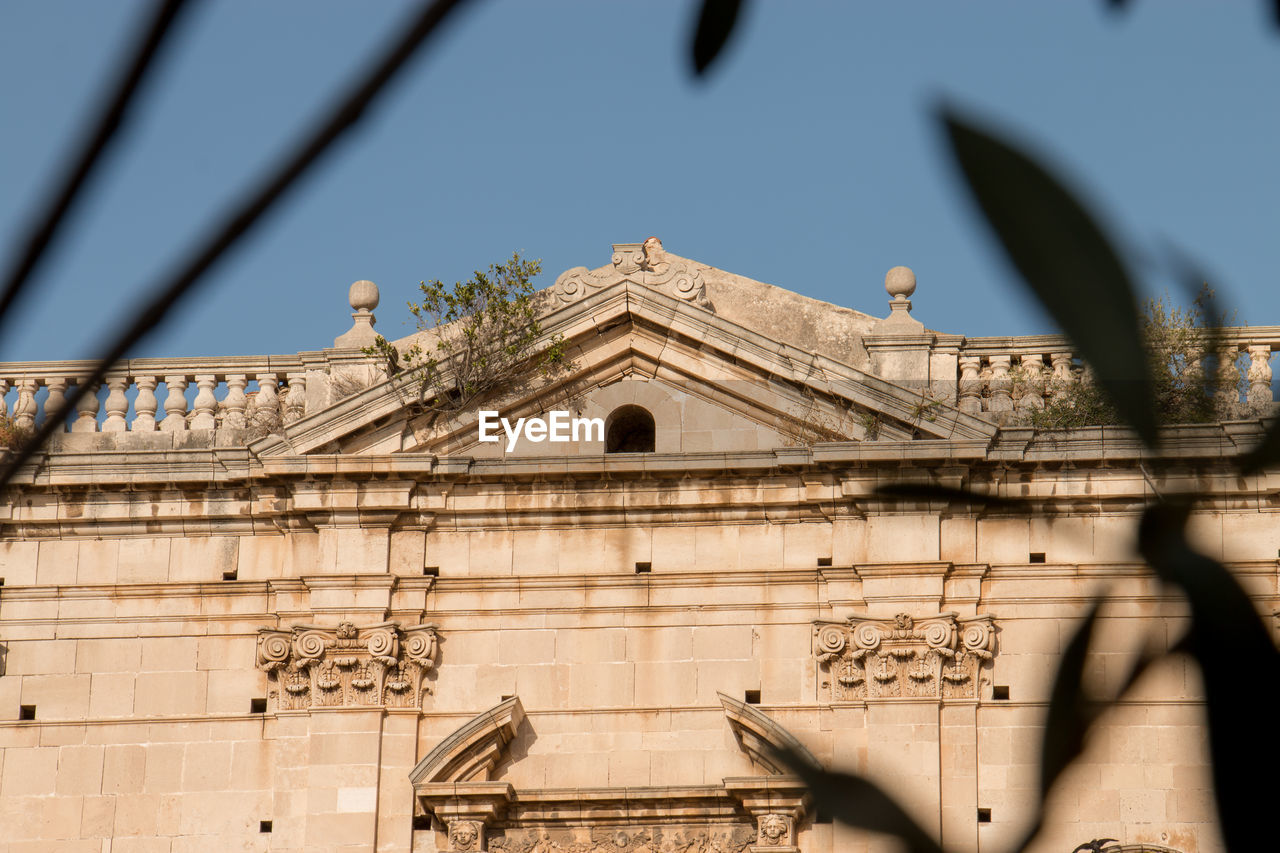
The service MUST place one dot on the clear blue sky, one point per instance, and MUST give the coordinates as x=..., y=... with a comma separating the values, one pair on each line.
x=809, y=159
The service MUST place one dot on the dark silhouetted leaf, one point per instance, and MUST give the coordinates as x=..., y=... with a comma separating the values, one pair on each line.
x=1240, y=667
x=715, y=25
x=1265, y=454
x=858, y=802
x=930, y=492
x=1071, y=711
x=1188, y=271
x=347, y=112
x=1117, y=5
x=1146, y=658
x=1067, y=260
x=116, y=114
x=1196, y=283
x=1097, y=845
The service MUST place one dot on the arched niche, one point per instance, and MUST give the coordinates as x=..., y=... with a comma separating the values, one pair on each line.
x=630, y=429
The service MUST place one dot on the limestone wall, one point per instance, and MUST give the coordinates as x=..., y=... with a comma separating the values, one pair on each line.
x=616, y=610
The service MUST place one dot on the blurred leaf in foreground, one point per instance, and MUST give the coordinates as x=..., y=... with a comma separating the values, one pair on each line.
x=1069, y=263
x=1240, y=667
x=715, y=24
x=858, y=802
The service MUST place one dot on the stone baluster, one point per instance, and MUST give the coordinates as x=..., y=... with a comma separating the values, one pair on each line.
x=1259, y=375
x=1001, y=385
x=57, y=398
x=87, y=412
x=175, y=404
x=205, y=406
x=4, y=404
x=24, y=408
x=266, y=403
x=234, y=404
x=145, y=404
x=1033, y=382
x=295, y=401
x=117, y=404
x=1226, y=380
x=970, y=385
x=1062, y=377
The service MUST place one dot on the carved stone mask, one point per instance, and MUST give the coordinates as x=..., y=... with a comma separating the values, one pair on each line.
x=772, y=829
x=463, y=835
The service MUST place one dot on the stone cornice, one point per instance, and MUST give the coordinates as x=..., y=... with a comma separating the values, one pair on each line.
x=707, y=336
x=110, y=468
x=409, y=491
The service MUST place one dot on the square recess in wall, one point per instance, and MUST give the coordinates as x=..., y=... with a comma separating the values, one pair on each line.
x=258, y=705
x=431, y=571
x=1036, y=557
x=1000, y=692
x=264, y=826
x=984, y=815
x=26, y=712
x=824, y=562
x=644, y=568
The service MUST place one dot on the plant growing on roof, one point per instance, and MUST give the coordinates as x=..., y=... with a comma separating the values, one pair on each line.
x=478, y=337
x=1178, y=343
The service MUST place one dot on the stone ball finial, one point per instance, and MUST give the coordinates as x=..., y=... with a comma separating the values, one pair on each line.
x=363, y=296
x=900, y=283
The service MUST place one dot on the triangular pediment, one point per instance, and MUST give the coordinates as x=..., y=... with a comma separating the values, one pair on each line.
x=711, y=385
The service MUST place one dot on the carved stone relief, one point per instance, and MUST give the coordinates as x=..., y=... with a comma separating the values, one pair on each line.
x=628, y=839
x=381, y=665
x=644, y=263
x=937, y=657
x=775, y=831
x=466, y=836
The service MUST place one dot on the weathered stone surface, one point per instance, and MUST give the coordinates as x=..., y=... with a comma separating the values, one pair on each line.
x=207, y=632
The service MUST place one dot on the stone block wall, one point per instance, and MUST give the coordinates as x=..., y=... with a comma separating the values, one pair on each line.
x=138, y=653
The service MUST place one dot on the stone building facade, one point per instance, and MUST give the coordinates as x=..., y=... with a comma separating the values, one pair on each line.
x=294, y=612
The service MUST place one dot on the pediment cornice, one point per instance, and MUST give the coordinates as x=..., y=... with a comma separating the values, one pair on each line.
x=709, y=344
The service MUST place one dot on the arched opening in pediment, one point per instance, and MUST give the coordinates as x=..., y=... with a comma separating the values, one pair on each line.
x=629, y=429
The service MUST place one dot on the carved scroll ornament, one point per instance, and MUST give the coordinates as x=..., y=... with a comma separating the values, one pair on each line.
x=941, y=656
x=346, y=666
x=644, y=263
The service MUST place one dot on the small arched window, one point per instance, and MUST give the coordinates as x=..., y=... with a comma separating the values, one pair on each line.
x=629, y=429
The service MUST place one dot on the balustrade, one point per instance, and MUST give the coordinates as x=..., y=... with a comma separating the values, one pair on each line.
x=146, y=395
x=999, y=375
